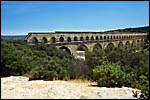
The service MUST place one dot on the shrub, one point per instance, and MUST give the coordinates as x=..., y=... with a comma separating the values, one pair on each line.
x=109, y=74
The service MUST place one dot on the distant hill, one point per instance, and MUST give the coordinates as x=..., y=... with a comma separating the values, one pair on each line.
x=14, y=37
x=144, y=29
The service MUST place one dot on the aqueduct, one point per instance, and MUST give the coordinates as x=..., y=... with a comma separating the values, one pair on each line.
x=76, y=42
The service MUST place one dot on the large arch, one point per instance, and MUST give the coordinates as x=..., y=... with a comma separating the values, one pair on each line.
x=97, y=47
x=44, y=40
x=110, y=45
x=66, y=49
x=82, y=48
x=120, y=44
x=34, y=40
x=127, y=44
x=133, y=45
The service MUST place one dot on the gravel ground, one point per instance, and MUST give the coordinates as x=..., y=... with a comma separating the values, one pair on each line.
x=18, y=87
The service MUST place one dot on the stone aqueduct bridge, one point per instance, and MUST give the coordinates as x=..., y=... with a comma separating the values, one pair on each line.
x=73, y=42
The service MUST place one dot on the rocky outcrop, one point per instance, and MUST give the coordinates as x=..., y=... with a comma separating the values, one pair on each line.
x=18, y=87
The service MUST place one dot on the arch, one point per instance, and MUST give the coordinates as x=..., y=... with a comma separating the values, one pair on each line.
x=110, y=45
x=108, y=37
x=81, y=38
x=82, y=48
x=53, y=40
x=133, y=44
x=127, y=44
x=75, y=38
x=111, y=37
x=61, y=39
x=97, y=38
x=104, y=37
x=142, y=41
x=117, y=36
x=66, y=49
x=101, y=37
x=69, y=39
x=120, y=44
x=44, y=40
x=114, y=37
x=97, y=47
x=87, y=38
x=34, y=40
x=92, y=37
x=122, y=37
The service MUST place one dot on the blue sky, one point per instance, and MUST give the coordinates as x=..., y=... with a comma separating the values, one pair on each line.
x=21, y=17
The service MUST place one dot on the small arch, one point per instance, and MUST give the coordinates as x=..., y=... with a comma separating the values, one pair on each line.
x=117, y=36
x=53, y=40
x=111, y=37
x=104, y=37
x=97, y=38
x=87, y=38
x=81, y=38
x=69, y=39
x=61, y=39
x=44, y=40
x=108, y=37
x=101, y=37
x=122, y=37
x=34, y=40
x=75, y=38
x=92, y=37
x=97, y=47
x=114, y=37
x=142, y=41
x=66, y=49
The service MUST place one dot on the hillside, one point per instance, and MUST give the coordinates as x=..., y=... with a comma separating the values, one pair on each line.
x=144, y=29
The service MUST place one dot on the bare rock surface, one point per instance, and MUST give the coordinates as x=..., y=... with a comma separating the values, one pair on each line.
x=19, y=87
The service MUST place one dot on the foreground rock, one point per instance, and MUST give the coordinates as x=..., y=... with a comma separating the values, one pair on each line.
x=19, y=87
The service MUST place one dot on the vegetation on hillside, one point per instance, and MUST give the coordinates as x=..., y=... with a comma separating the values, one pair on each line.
x=137, y=29
x=111, y=67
